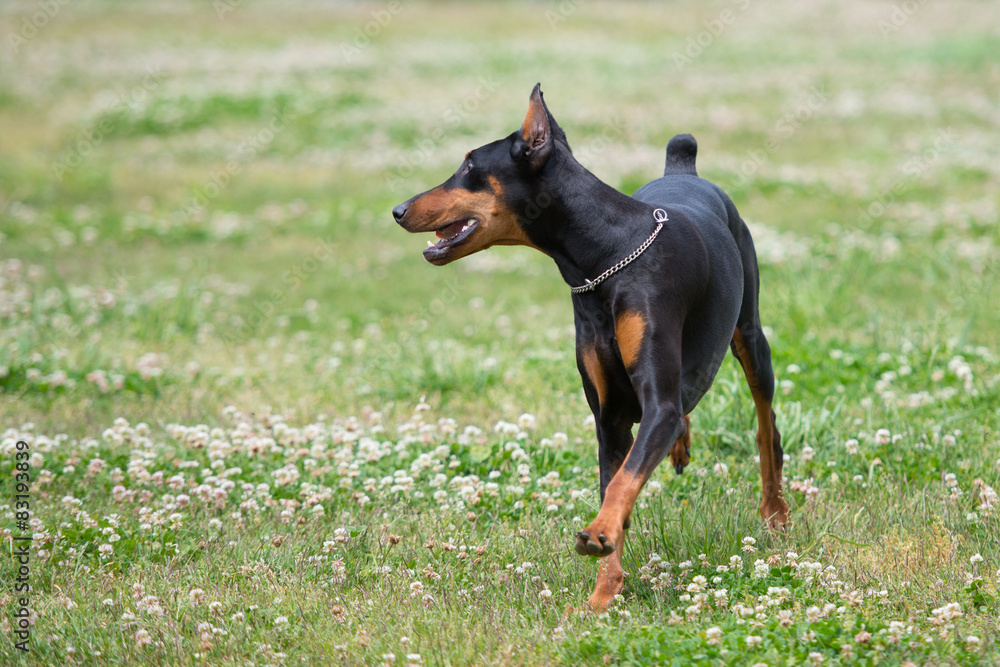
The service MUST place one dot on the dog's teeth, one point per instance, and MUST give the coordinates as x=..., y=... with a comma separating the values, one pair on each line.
x=430, y=244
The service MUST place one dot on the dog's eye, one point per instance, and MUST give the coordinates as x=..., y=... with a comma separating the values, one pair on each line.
x=467, y=167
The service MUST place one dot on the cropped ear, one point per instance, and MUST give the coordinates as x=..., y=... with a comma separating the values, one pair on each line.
x=533, y=145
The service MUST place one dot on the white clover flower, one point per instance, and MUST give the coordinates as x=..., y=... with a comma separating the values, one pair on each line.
x=895, y=632
x=697, y=584
x=150, y=604
x=721, y=595
x=713, y=636
x=947, y=613
x=753, y=641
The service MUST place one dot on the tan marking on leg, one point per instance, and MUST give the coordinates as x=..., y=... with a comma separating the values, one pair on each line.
x=629, y=330
x=773, y=508
x=680, y=454
x=610, y=579
x=595, y=372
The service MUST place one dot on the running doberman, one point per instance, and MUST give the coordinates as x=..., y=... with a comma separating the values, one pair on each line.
x=663, y=282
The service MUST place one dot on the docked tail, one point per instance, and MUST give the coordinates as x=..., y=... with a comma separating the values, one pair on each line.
x=681, y=152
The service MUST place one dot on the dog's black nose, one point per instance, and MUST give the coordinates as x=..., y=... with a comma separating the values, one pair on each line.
x=399, y=212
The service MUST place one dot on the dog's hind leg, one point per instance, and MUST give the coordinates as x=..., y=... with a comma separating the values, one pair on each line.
x=752, y=350
x=754, y=354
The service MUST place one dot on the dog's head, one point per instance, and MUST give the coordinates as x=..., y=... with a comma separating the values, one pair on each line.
x=488, y=201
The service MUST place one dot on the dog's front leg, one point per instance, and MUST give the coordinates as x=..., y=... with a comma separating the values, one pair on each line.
x=614, y=439
x=661, y=425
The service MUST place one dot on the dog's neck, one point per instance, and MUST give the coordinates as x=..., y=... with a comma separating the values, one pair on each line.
x=583, y=223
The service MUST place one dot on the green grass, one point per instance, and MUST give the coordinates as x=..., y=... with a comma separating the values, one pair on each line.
x=235, y=370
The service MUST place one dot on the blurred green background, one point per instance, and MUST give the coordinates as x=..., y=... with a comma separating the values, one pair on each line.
x=225, y=172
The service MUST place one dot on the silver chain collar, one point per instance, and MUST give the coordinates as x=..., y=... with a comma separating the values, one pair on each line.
x=660, y=216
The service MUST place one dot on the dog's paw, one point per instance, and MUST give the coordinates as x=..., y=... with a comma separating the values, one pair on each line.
x=596, y=541
x=680, y=455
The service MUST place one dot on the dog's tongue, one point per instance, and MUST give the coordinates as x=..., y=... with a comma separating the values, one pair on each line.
x=450, y=230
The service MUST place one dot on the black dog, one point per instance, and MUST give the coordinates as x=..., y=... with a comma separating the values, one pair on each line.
x=663, y=283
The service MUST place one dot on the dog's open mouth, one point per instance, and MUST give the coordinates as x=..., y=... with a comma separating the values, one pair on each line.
x=451, y=235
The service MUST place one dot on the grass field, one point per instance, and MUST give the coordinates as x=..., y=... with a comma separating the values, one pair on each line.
x=262, y=430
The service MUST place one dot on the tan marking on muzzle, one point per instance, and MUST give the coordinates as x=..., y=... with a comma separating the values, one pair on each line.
x=497, y=222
